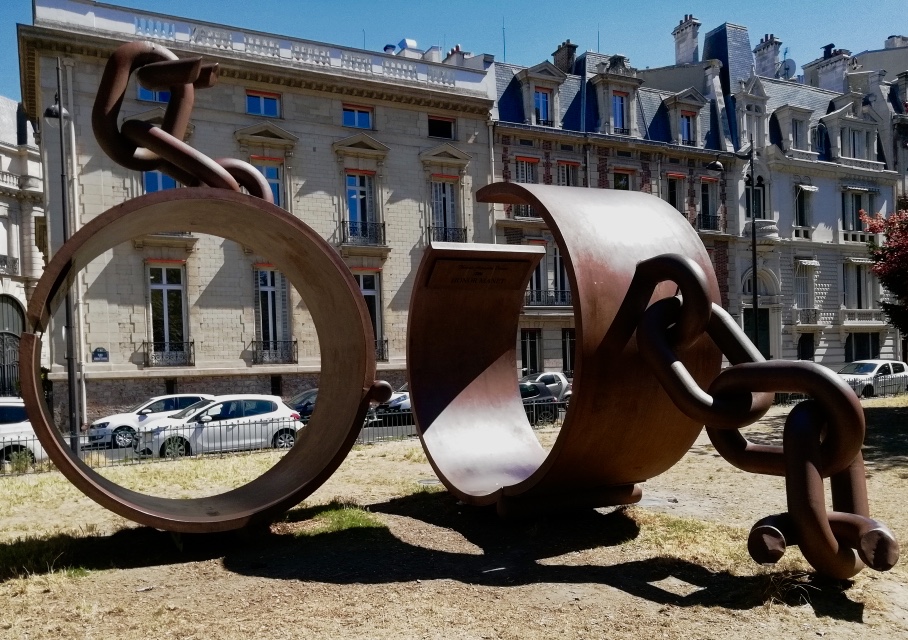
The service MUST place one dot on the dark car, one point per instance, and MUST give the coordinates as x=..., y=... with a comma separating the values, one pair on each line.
x=538, y=402
x=304, y=403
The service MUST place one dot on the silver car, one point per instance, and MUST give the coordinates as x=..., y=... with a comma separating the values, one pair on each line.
x=875, y=377
x=119, y=430
x=238, y=422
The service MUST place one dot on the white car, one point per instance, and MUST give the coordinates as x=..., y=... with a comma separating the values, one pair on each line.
x=19, y=446
x=875, y=377
x=225, y=423
x=119, y=430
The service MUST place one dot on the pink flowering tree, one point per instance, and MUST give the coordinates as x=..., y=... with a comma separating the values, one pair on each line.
x=890, y=263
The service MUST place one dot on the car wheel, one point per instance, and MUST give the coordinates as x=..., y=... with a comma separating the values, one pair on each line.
x=175, y=448
x=545, y=416
x=867, y=392
x=16, y=459
x=122, y=437
x=283, y=439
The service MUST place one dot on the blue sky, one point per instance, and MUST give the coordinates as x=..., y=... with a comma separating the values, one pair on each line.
x=533, y=29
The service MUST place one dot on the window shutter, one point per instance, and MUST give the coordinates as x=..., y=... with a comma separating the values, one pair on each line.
x=370, y=200
x=257, y=306
x=285, y=308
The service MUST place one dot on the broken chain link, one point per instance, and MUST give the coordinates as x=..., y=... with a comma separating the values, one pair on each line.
x=822, y=437
x=142, y=146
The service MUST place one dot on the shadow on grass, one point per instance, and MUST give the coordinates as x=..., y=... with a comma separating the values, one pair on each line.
x=371, y=554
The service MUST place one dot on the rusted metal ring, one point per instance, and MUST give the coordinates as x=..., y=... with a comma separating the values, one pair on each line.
x=338, y=312
x=469, y=415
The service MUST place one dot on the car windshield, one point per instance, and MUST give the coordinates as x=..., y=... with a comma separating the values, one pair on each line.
x=136, y=407
x=858, y=367
x=188, y=411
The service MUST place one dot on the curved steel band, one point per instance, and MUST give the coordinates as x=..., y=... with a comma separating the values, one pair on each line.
x=472, y=424
x=338, y=312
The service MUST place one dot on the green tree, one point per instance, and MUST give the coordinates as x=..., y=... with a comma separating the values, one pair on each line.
x=890, y=263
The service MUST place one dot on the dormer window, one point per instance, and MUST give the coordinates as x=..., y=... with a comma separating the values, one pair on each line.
x=684, y=112
x=751, y=111
x=540, y=85
x=616, y=85
x=798, y=134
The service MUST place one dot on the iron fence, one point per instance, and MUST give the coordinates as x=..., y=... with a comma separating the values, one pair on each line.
x=547, y=298
x=22, y=452
x=448, y=234
x=274, y=352
x=363, y=233
x=169, y=354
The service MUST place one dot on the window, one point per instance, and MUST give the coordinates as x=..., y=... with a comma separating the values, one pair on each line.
x=803, y=284
x=802, y=207
x=272, y=314
x=531, y=350
x=369, y=284
x=537, y=287
x=755, y=198
x=358, y=117
x=168, y=314
x=687, y=128
x=853, y=202
x=676, y=193
x=568, y=349
x=444, y=212
x=260, y=103
x=438, y=127
x=152, y=96
x=622, y=181
x=562, y=292
x=806, y=347
x=542, y=99
x=798, y=137
x=709, y=217
x=862, y=346
x=272, y=168
x=527, y=173
x=619, y=113
x=857, y=286
x=156, y=181
x=568, y=174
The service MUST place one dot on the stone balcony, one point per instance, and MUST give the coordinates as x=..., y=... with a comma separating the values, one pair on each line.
x=864, y=317
x=767, y=231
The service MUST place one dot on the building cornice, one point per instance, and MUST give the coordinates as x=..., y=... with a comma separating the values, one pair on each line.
x=33, y=39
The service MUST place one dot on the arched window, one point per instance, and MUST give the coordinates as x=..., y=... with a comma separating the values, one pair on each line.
x=12, y=323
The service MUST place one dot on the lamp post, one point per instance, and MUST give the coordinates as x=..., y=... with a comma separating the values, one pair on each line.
x=715, y=165
x=55, y=116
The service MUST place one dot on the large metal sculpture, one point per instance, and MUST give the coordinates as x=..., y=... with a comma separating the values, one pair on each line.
x=650, y=343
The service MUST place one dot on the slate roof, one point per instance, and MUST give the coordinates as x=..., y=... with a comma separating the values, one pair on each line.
x=730, y=43
x=782, y=92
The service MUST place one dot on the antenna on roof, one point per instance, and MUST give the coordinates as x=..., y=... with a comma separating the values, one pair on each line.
x=504, y=42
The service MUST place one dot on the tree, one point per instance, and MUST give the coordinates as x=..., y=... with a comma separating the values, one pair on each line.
x=890, y=263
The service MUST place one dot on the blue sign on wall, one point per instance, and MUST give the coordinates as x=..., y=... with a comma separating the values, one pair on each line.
x=100, y=355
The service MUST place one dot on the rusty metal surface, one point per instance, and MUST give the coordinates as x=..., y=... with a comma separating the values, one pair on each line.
x=338, y=311
x=463, y=387
x=650, y=337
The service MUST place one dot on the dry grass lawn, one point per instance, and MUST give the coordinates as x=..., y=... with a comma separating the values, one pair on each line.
x=382, y=552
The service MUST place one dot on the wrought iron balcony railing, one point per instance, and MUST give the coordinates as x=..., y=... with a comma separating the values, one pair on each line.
x=808, y=316
x=9, y=266
x=708, y=223
x=621, y=131
x=274, y=352
x=169, y=354
x=523, y=211
x=447, y=234
x=547, y=298
x=368, y=233
x=545, y=123
x=381, y=350
x=689, y=143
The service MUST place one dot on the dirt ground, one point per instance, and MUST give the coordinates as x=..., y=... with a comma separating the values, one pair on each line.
x=674, y=566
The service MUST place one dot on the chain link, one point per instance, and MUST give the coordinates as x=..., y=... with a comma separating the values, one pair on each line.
x=140, y=145
x=822, y=437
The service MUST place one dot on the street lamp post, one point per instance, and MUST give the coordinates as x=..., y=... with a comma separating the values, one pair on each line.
x=56, y=116
x=715, y=165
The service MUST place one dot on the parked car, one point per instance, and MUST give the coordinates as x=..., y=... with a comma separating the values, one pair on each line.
x=304, y=403
x=119, y=430
x=556, y=381
x=875, y=377
x=397, y=410
x=538, y=402
x=19, y=446
x=225, y=423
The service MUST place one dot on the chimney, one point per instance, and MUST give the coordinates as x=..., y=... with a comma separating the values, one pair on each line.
x=389, y=48
x=564, y=56
x=895, y=42
x=766, y=56
x=687, y=48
